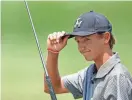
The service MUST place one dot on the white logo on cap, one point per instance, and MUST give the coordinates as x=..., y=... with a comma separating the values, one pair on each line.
x=78, y=23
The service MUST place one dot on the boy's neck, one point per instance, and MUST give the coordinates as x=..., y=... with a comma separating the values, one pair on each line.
x=103, y=58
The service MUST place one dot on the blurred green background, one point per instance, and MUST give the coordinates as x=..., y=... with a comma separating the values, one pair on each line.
x=22, y=72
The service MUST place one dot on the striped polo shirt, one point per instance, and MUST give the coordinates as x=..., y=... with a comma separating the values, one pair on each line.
x=111, y=82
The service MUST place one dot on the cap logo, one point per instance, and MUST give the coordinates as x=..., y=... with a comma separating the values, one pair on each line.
x=78, y=23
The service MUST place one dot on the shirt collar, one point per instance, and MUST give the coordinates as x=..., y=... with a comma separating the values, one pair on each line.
x=108, y=66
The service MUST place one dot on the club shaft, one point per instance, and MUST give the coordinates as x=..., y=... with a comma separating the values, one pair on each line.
x=51, y=90
x=36, y=38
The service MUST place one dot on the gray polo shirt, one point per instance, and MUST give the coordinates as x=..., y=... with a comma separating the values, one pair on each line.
x=111, y=82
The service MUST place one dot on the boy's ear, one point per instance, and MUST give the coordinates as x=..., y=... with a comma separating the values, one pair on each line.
x=106, y=37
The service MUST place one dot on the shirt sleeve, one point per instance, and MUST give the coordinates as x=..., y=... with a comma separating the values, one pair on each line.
x=119, y=87
x=74, y=83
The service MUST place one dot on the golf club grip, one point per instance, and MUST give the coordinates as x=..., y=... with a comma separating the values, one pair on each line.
x=51, y=90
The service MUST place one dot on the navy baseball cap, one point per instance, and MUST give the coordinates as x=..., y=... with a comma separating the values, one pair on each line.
x=90, y=23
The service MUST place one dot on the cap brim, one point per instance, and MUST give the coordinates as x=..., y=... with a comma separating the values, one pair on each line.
x=73, y=34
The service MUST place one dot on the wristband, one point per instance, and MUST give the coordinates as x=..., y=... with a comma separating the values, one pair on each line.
x=53, y=51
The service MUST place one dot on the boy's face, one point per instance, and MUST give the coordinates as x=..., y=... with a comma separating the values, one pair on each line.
x=91, y=46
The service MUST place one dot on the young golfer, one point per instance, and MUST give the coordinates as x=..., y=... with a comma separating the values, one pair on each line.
x=107, y=78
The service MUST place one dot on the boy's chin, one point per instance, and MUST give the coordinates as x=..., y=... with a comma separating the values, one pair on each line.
x=89, y=58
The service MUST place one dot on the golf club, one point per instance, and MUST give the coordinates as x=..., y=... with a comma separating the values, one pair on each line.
x=48, y=80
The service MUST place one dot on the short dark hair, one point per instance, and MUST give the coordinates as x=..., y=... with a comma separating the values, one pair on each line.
x=111, y=41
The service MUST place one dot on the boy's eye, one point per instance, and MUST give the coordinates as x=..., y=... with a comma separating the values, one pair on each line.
x=86, y=39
